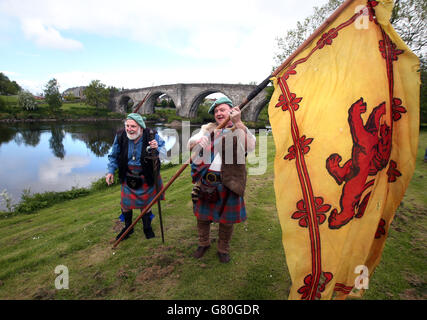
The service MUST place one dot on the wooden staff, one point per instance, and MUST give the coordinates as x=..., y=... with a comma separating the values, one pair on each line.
x=141, y=102
x=242, y=106
x=154, y=157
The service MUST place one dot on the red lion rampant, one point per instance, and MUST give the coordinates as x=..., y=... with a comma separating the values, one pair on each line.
x=370, y=154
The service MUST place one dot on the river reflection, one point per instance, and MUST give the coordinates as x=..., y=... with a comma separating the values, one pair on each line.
x=52, y=156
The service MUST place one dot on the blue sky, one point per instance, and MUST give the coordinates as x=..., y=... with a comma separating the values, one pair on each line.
x=135, y=44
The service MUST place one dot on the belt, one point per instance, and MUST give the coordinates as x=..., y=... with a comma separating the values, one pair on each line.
x=212, y=177
x=135, y=172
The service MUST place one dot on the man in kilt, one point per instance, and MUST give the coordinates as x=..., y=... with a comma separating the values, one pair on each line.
x=132, y=147
x=219, y=176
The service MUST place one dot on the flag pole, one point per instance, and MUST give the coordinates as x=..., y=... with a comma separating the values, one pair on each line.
x=241, y=106
x=141, y=102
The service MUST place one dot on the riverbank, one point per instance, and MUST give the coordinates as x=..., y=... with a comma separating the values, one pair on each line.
x=76, y=233
x=79, y=111
x=69, y=111
x=56, y=120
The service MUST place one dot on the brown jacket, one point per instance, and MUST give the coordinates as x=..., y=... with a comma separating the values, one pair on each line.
x=233, y=171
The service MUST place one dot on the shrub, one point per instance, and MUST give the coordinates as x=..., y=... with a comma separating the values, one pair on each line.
x=2, y=104
x=26, y=100
x=31, y=203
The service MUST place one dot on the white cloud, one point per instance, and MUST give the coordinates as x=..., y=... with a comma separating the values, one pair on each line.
x=235, y=39
x=48, y=37
x=187, y=27
x=9, y=73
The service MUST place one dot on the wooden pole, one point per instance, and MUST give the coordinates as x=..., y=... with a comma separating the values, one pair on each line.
x=142, y=102
x=242, y=106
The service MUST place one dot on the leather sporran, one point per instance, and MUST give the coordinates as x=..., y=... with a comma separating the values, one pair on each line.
x=208, y=193
x=195, y=193
x=133, y=182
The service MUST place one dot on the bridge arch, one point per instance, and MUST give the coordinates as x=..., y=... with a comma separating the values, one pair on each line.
x=198, y=99
x=127, y=103
x=150, y=103
x=258, y=108
x=188, y=97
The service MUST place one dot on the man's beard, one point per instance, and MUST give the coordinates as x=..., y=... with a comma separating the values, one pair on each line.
x=135, y=135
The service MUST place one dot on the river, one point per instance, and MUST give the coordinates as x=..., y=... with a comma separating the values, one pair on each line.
x=56, y=156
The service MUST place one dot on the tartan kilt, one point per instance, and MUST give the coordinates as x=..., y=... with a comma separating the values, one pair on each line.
x=139, y=198
x=234, y=209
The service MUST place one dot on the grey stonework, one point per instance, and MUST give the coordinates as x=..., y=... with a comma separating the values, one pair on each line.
x=187, y=98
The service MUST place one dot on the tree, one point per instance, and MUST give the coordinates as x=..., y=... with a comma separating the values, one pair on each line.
x=26, y=100
x=70, y=97
x=2, y=104
x=409, y=20
x=97, y=94
x=52, y=95
x=8, y=87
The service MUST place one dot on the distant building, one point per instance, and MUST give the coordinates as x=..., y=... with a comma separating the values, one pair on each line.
x=75, y=91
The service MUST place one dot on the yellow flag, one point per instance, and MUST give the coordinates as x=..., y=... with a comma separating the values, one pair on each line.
x=345, y=121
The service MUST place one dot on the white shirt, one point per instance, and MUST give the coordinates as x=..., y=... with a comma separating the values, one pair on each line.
x=217, y=161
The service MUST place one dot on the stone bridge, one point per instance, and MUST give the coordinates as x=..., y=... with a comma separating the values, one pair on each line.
x=188, y=97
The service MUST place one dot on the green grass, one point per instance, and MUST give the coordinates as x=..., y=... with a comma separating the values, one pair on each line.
x=76, y=233
x=68, y=110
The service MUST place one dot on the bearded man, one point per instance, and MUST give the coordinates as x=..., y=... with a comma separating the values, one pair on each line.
x=132, y=145
x=219, y=176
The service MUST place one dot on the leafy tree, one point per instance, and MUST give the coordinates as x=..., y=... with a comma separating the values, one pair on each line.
x=26, y=100
x=2, y=104
x=409, y=19
x=113, y=90
x=8, y=87
x=70, y=97
x=52, y=95
x=97, y=94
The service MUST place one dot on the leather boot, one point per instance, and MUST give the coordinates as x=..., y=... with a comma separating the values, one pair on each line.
x=128, y=221
x=203, y=229
x=224, y=236
x=146, y=222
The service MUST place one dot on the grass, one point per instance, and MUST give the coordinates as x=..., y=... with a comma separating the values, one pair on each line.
x=68, y=110
x=76, y=233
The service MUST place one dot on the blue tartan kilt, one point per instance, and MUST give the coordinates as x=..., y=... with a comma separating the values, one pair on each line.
x=234, y=209
x=139, y=198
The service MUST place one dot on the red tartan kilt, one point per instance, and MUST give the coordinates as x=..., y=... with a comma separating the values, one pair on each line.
x=139, y=198
x=234, y=210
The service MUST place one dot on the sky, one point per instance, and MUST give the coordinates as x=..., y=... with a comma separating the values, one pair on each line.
x=138, y=43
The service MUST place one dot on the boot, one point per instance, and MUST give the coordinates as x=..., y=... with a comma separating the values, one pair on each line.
x=146, y=222
x=224, y=236
x=203, y=229
x=128, y=221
